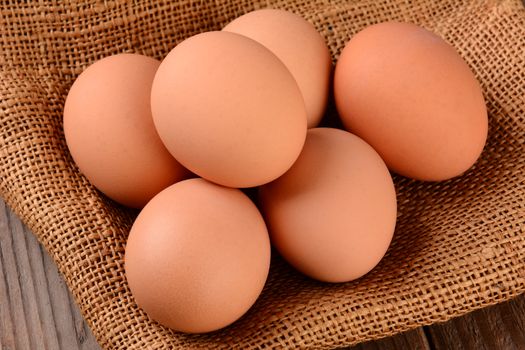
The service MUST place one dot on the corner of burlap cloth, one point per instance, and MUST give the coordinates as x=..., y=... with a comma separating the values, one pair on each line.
x=459, y=245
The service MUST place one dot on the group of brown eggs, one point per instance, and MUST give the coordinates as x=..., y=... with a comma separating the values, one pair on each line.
x=238, y=108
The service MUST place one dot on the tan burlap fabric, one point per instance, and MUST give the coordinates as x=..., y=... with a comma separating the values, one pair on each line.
x=459, y=245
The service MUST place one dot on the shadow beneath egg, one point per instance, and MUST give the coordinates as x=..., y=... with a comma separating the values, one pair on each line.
x=434, y=221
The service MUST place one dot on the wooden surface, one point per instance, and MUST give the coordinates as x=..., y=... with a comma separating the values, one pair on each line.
x=38, y=312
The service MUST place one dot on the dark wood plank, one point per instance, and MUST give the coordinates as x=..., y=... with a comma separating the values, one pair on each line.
x=7, y=331
x=13, y=304
x=27, y=286
x=513, y=314
x=500, y=327
x=462, y=333
x=36, y=308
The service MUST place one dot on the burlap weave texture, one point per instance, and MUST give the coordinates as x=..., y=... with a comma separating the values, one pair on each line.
x=459, y=245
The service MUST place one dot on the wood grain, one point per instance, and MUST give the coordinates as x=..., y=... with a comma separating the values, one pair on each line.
x=499, y=327
x=38, y=312
x=36, y=309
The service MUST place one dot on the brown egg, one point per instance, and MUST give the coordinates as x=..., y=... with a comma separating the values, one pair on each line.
x=110, y=132
x=411, y=96
x=197, y=256
x=299, y=46
x=333, y=214
x=228, y=109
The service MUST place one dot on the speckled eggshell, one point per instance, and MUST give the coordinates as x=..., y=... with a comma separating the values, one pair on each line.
x=110, y=133
x=410, y=95
x=228, y=109
x=299, y=46
x=197, y=256
x=332, y=215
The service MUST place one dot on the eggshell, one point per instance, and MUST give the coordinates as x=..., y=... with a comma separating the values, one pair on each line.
x=333, y=214
x=228, y=109
x=299, y=46
x=197, y=256
x=411, y=96
x=110, y=133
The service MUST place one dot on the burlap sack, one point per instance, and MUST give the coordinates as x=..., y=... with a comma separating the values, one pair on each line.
x=459, y=245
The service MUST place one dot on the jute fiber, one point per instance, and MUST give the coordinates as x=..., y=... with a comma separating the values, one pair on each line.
x=459, y=245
